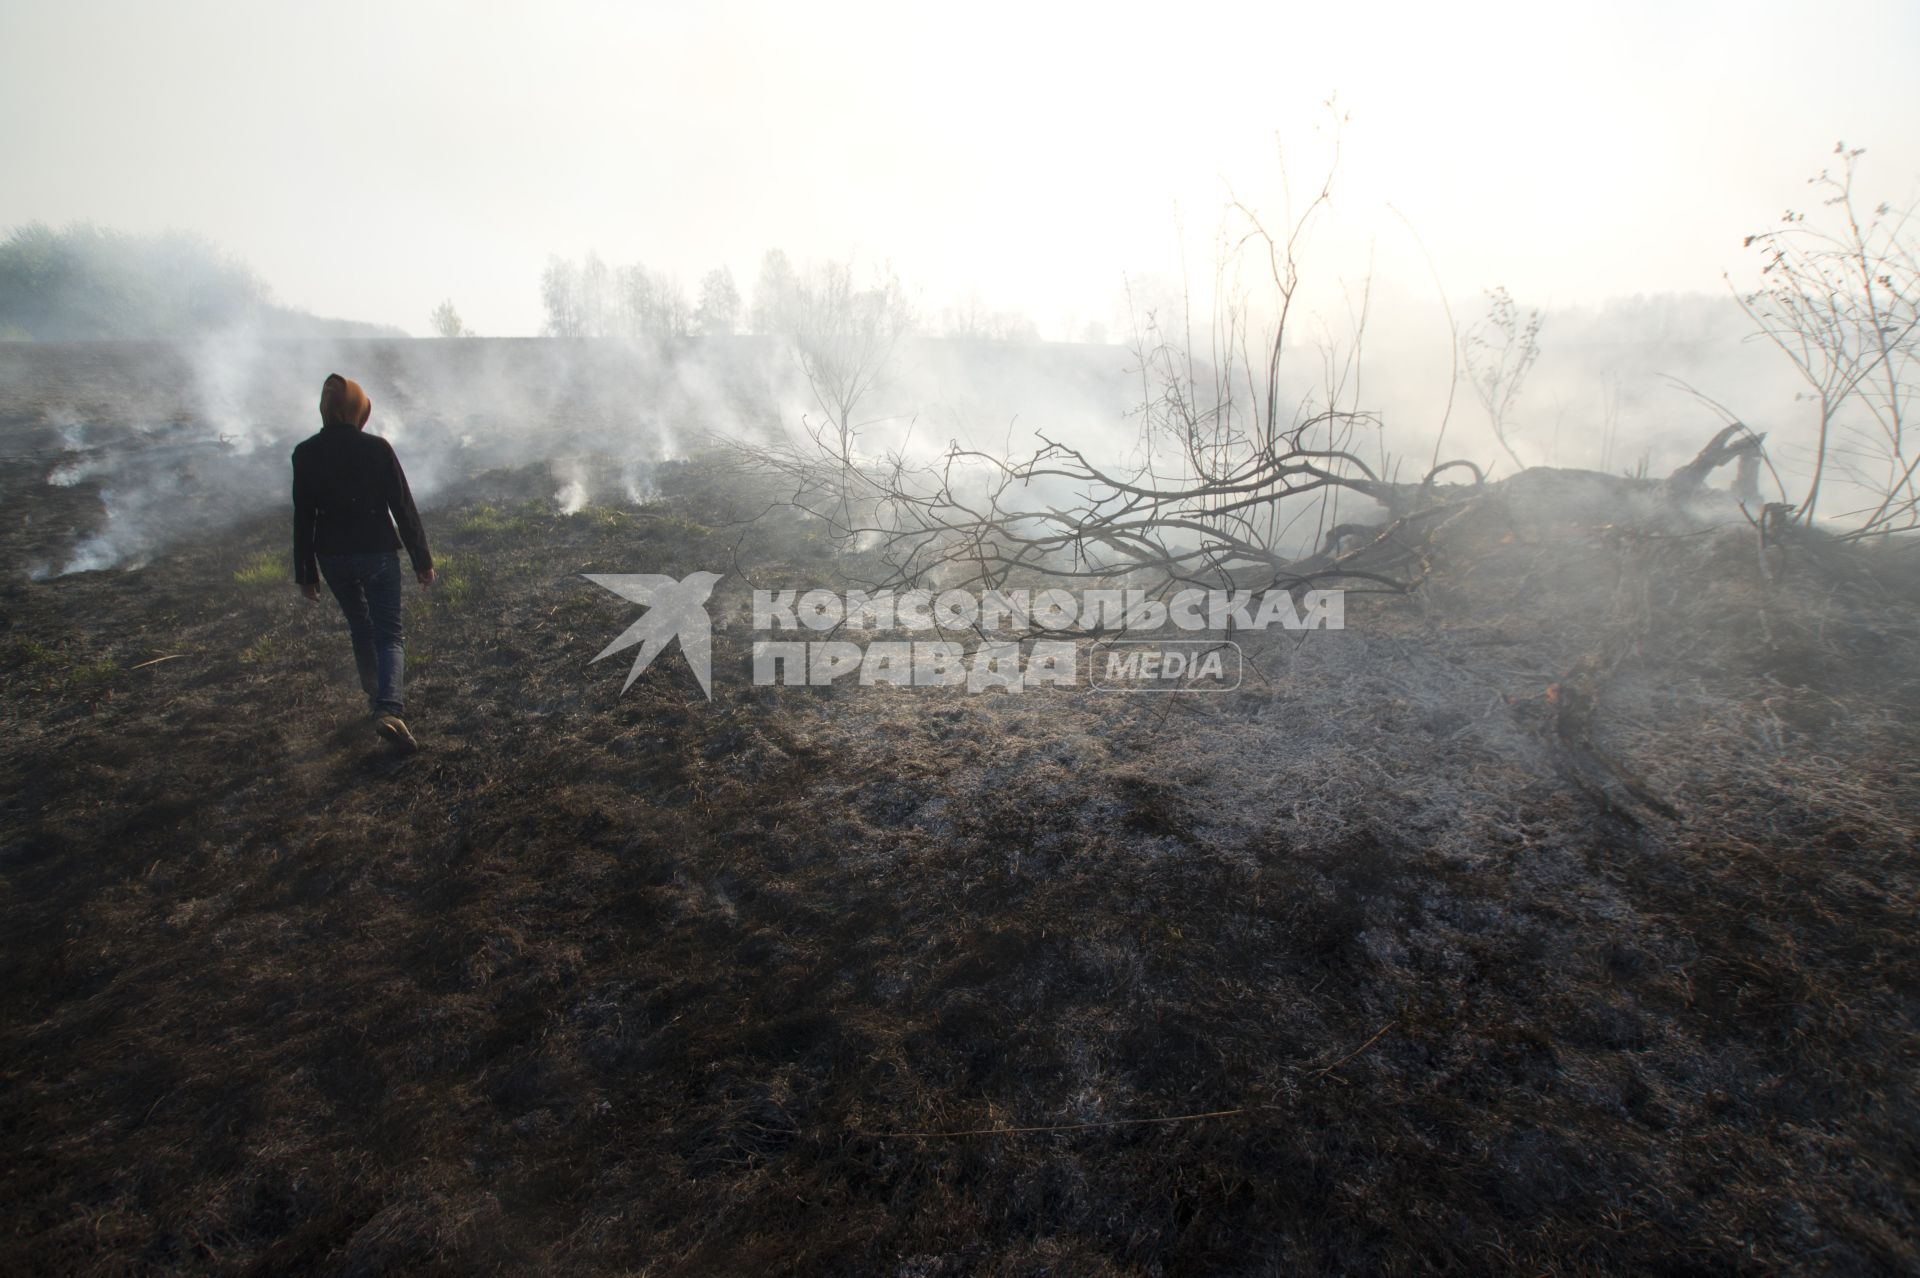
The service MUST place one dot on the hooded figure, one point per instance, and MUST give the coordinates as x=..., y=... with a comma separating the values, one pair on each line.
x=343, y=403
x=349, y=492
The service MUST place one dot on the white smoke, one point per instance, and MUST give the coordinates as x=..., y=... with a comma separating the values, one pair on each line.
x=170, y=437
x=574, y=493
x=173, y=436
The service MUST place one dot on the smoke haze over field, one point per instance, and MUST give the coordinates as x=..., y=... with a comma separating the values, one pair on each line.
x=1057, y=175
x=179, y=439
x=372, y=160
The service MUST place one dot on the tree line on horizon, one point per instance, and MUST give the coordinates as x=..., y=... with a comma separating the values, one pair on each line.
x=590, y=298
x=88, y=283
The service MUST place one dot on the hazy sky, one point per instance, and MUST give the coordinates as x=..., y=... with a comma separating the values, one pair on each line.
x=370, y=159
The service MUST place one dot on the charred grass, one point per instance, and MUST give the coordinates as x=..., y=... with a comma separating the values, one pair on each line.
x=645, y=983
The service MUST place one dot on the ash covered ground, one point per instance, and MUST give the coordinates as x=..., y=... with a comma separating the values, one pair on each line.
x=1557, y=917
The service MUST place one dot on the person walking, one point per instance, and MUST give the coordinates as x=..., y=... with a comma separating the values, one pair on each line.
x=349, y=492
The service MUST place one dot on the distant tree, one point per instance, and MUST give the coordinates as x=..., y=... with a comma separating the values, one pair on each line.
x=592, y=299
x=1500, y=351
x=597, y=306
x=972, y=318
x=844, y=337
x=446, y=321
x=560, y=292
x=1215, y=489
x=1151, y=306
x=673, y=316
x=773, y=295
x=718, y=314
x=1839, y=297
x=636, y=300
x=651, y=304
x=968, y=318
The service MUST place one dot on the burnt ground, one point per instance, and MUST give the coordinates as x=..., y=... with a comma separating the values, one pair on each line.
x=1556, y=919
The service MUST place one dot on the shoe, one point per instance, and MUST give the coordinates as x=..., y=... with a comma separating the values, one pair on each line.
x=394, y=729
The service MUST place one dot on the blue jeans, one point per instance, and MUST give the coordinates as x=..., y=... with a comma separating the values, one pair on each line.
x=368, y=588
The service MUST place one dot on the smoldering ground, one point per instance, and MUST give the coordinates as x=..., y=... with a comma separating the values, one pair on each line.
x=1551, y=917
x=183, y=436
x=177, y=440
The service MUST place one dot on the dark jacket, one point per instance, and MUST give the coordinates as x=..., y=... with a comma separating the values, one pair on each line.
x=345, y=483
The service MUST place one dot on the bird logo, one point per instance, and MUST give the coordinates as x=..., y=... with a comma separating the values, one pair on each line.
x=675, y=610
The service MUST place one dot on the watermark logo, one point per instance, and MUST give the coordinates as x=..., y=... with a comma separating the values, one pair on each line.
x=1164, y=665
x=856, y=642
x=675, y=610
x=1018, y=639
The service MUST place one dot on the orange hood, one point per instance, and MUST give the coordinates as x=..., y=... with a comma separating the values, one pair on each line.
x=343, y=403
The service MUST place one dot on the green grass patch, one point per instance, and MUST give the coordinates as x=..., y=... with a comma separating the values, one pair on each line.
x=452, y=582
x=268, y=568
x=488, y=519
x=603, y=516
x=28, y=652
x=678, y=526
x=85, y=678
x=43, y=668
x=94, y=671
